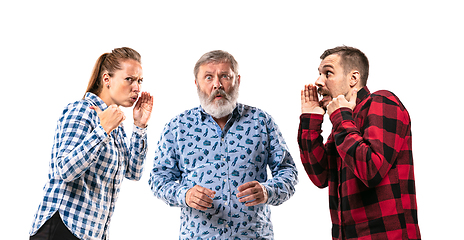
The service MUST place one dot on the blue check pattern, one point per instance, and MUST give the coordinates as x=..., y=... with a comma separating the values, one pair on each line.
x=194, y=150
x=87, y=167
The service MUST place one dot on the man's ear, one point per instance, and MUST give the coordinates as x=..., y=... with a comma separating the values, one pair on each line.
x=355, y=78
x=238, y=79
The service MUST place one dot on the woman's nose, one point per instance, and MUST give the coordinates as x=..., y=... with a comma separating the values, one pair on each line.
x=136, y=86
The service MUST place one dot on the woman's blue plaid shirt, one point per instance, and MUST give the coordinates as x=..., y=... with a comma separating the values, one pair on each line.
x=87, y=167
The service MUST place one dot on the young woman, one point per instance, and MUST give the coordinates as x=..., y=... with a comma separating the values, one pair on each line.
x=90, y=157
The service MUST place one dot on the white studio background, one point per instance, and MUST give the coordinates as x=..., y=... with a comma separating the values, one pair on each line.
x=49, y=49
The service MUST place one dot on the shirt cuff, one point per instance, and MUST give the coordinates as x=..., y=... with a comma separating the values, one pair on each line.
x=101, y=134
x=340, y=115
x=139, y=130
x=181, y=195
x=311, y=121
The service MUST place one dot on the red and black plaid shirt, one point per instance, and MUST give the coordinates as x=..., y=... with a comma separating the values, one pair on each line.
x=367, y=164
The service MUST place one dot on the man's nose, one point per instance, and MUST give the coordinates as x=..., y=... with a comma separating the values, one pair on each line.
x=217, y=83
x=320, y=82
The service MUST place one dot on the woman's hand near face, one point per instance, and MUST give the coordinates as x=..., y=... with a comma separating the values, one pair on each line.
x=142, y=110
x=110, y=118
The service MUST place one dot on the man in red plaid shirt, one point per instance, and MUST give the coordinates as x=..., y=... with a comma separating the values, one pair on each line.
x=367, y=160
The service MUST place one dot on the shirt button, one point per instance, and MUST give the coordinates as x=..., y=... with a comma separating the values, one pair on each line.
x=227, y=225
x=225, y=180
x=224, y=159
x=226, y=203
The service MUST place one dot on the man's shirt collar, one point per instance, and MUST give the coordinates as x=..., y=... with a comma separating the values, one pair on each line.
x=236, y=113
x=362, y=94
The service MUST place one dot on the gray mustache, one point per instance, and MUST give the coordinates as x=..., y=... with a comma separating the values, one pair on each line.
x=218, y=92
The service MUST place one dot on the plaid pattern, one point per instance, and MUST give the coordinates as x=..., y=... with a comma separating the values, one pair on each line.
x=194, y=150
x=87, y=167
x=367, y=164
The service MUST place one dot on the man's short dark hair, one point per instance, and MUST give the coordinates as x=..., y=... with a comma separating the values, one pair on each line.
x=351, y=59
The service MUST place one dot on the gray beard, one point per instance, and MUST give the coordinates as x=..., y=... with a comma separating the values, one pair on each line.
x=220, y=108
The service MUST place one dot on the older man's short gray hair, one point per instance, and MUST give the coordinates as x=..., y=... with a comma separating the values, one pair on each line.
x=217, y=56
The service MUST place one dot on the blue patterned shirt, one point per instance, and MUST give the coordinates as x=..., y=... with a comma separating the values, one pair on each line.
x=87, y=167
x=194, y=150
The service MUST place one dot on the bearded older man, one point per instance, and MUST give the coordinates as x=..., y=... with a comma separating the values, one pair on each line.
x=212, y=160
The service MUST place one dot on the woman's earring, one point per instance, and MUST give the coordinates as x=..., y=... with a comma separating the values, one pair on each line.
x=107, y=85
